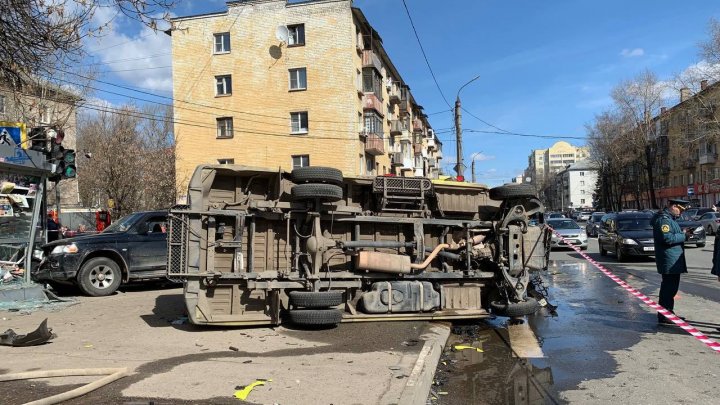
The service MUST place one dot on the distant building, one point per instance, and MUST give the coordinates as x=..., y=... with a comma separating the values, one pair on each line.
x=575, y=186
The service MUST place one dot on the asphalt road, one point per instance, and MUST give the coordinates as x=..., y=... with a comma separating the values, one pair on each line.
x=601, y=346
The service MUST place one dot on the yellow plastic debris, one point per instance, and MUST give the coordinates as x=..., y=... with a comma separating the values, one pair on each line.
x=463, y=347
x=243, y=393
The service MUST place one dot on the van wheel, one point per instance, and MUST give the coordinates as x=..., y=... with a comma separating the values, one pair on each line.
x=310, y=191
x=317, y=174
x=512, y=309
x=316, y=317
x=99, y=276
x=315, y=299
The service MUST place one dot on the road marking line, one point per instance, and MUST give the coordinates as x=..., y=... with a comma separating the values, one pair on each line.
x=642, y=297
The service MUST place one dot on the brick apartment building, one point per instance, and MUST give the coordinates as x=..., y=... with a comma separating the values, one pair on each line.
x=275, y=83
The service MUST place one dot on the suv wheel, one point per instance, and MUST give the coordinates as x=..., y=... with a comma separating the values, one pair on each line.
x=99, y=276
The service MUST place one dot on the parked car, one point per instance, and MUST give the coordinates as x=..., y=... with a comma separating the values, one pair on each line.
x=627, y=234
x=695, y=230
x=710, y=222
x=570, y=230
x=584, y=216
x=693, y=214
x=593, y=224
x=132, y=248
x=554, y=215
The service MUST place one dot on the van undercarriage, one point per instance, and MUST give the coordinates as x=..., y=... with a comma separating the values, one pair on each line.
x=255, y=246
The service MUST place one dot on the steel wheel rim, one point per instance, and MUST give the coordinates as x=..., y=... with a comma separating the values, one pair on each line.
x=101, y=277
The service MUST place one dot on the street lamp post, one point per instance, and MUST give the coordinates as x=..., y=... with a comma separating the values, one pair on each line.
x=472, y=164
x=460, y=166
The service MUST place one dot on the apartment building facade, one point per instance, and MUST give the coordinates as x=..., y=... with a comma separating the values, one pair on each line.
x=545, y=163
x=280, y=84
x=575, y=186
x=685, y=141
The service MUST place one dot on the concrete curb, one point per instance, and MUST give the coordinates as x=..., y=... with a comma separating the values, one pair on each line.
x=418, y=384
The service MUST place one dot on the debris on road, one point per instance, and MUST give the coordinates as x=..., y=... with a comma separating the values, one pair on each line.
x=180, y=321
x=233, y=348
x=465, y=347
x=244, y=390
x=37, y=337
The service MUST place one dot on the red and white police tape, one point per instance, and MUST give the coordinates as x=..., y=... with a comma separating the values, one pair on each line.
x=642, y=297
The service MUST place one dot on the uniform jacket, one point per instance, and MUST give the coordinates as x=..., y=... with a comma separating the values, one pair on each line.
x=669, y=244
x=716, y=255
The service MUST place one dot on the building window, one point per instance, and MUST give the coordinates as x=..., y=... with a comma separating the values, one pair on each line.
x=225, y=127
x=298, y=79
x=582, y=182
x=222, y=42
x=582, y=191
x=2, y=104
x=582, y=173
x=297, y=35
x=226, y=161
x=300, y=161
x=370, y=165
x=582, y=201
x=299, y=122
x=372, y=82
x=223, y=85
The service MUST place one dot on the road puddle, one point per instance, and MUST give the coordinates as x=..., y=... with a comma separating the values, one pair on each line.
x=493, y=363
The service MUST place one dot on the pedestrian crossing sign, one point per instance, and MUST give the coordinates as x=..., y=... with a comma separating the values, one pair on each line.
x=13, y=134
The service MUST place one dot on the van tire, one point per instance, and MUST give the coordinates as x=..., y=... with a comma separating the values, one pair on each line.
x=315, y=299
x=316, y=317
x=512, y=191
x=310, y=191
x=317, y=174
x=513, y=309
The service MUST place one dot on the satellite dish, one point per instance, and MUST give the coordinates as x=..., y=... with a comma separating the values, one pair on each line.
x=282, y=33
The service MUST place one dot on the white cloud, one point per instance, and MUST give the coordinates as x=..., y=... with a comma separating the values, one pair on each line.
x=481, y=156
x=632, y=53
x=141, y=59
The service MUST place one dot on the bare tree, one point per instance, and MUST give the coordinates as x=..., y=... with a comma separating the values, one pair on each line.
x=639, y=100
x=39, y=36
x=607, y=140
x=132, y=159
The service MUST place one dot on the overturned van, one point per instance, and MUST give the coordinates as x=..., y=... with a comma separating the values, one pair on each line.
x=257, y=246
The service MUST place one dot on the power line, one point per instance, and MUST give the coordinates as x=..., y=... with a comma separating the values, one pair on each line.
x=483, y=121
x=526, y=135
x=134, y=70
x=424, y=55
x=130, y=59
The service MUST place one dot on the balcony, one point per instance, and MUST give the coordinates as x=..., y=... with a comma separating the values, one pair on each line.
x=370, y=59
x=372, y=102
x=394, y=94
x=417, y=126
x=397, y=159
x=417, y=149
x=707, y=158
x=432, y=162
x=431, y=144
x=404, y=107
x=375, y=144
x=398, y=126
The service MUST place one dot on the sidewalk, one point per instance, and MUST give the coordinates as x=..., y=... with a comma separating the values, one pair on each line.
x=364, y=363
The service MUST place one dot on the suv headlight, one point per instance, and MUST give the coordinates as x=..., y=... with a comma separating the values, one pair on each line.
x=628, y=241
x=61, y=249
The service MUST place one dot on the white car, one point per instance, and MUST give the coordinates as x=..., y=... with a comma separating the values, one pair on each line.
x=584, y=216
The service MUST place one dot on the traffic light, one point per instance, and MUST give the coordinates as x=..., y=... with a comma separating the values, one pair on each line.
x=48, y=140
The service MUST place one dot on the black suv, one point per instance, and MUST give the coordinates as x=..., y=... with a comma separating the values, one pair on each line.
x=132, y=248
x=627, y=234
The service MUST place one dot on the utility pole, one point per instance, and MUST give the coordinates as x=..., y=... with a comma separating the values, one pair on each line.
x=459, y=167
x=472, y=168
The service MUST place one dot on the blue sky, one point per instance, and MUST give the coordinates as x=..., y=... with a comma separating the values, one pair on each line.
x=545, y=67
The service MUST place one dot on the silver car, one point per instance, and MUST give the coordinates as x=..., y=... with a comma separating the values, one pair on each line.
x=710, y=221
x=570, y=231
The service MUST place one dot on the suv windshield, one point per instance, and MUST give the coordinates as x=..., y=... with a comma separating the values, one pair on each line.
x=634, y=224
x=123, y=224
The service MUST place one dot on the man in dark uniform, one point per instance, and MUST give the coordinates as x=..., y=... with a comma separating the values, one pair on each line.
x=669, y=253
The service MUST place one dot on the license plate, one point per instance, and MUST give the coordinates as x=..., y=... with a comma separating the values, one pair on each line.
x=649, y=248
